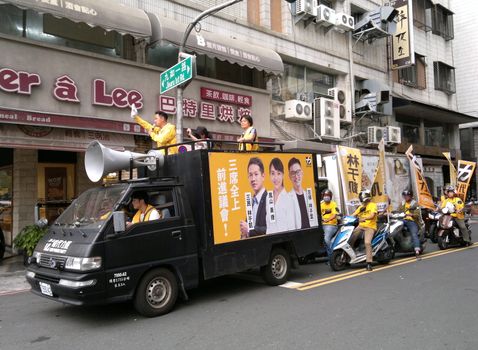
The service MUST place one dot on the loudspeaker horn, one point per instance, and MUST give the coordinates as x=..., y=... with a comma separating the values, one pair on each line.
x=101, y=160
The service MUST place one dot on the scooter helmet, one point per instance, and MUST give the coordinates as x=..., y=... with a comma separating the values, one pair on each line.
x=365, y=196
x=407, y=193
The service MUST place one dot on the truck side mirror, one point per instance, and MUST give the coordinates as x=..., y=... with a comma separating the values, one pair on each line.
x=119, y=221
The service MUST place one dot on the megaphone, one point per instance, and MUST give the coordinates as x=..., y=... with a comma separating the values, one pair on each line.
x=101, y=160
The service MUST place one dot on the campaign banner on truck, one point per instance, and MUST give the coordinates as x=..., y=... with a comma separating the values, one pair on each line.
x=465, y=173
x=425, y=199
x=256, y=194
x=350, y=163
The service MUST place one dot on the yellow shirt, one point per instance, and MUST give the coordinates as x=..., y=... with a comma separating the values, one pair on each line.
x=407, y=206
x=459, y=205
x=163, y=136
x=369, y=209
x=251, y=135
x=328, y=210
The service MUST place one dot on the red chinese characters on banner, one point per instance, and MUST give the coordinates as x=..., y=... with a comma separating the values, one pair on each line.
x=227, y=97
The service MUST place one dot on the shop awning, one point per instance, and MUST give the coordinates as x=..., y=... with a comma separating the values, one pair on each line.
x=427, y=112
x=109, y=15
x=216, y=46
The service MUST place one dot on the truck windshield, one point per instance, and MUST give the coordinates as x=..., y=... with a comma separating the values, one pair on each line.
x=92, y=208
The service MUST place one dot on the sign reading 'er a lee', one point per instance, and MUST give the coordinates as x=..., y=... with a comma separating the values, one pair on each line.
x=176, y=75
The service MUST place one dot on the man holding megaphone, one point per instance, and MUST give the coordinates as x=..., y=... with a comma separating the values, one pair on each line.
x=162, y=132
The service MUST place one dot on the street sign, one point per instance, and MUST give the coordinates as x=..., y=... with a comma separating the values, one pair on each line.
x=176, y=75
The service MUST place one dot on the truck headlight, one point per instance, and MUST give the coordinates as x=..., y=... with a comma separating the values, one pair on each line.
x=35, y=258
x=82, y=264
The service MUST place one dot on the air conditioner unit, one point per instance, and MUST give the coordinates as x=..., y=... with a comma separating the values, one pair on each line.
x=326, y=118
x=325, y=16
x=393, y=134
x=306, y=7
x=344, y=104
x=375, y=134
x=344, y=21
x=296, y=110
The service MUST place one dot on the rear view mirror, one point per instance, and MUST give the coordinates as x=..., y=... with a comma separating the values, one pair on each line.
x=119, y=221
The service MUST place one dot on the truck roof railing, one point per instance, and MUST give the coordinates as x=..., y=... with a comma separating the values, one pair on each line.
x=211, y=142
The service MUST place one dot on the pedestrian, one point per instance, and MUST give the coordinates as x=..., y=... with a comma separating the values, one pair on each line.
x=249, y=134
x=199, y=134
x=162, y=132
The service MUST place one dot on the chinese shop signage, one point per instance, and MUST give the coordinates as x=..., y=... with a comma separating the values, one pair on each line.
x=402, y=43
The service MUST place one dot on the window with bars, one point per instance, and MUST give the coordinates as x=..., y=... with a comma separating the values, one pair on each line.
x=442, y=22
x=414, y=76
x=444, y=77
x=422, y=14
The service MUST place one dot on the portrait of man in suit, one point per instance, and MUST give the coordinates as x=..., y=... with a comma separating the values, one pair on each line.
x=256, y=177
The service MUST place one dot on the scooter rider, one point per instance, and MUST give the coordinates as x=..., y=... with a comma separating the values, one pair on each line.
x=367, y=214
x=410, y=208
x=329, y=211
x=459, y=214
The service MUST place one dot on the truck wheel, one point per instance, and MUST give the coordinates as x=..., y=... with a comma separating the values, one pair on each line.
x=277, y=270
x=2, y=245
x=156, y=293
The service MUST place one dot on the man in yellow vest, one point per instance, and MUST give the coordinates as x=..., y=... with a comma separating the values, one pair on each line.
x=144, y=211
x=329, y=211
x=162, y=132
x=367, y=214
x=459, y=214
x=411, y=221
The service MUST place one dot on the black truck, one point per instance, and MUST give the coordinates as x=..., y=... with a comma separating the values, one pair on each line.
x=216, y=213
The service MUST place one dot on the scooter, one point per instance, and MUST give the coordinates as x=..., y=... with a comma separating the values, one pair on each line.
x=343, y=254
x=432, y=225
x=448, y=232
x=400, y=235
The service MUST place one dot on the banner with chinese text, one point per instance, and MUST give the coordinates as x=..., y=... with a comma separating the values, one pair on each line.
x=425, y=199
x=259, y=194
x=379, y=191
x=351, y=169
x=463, y=179
x=403, y=54
x=452, y=169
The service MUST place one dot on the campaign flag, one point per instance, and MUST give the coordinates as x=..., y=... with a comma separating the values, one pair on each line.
x=351, y=167
x=452, y=169
x=378, y=190
x=463, y=179
x=424, y=197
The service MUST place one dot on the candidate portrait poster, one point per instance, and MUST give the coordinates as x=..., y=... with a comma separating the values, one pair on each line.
x=257, y=194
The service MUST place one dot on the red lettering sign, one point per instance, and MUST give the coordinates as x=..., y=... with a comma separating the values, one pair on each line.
x=224, y=96
x=65, y=89
x=18, y=82
x=118, y=97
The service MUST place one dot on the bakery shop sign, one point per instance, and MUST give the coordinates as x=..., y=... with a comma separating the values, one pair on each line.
x=66, y=90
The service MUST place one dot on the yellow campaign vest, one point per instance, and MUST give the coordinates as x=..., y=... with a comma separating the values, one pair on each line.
x=369, y=209
x=137, y=216
x=330, y=207
x=458, y=203
x=247, y=146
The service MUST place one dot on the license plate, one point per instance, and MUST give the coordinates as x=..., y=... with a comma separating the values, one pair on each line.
x=46, y=289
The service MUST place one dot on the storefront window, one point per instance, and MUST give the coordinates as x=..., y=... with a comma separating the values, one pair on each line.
x=411, y=134
x=11, y=20
x=436, y=135
x=6, y=193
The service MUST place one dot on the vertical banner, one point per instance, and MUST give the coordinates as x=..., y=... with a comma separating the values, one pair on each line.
x=351, y=168
x=424, y=197
x=452, y=169
x=379, y=192
x=402, y=41
x=463, y=179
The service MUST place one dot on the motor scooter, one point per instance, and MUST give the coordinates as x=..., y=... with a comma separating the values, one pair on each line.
x=343, y=254
x=448, y=232
x=401, y=236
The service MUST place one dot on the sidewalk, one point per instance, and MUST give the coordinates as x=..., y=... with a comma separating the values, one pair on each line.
x=12, y=275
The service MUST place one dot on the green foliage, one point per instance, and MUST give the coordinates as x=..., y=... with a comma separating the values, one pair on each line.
x=28, y=238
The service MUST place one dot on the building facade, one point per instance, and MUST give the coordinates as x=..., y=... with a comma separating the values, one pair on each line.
x=72, y=71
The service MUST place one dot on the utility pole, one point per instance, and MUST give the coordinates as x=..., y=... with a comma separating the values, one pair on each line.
x=180, y=88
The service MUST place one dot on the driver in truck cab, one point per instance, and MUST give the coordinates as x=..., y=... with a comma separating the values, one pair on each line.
x=144, y=211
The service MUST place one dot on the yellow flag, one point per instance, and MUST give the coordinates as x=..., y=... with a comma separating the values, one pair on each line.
x=350, y=163
x=424, y=197
x=465, y=173
x=452, y=169
x=379, y=192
